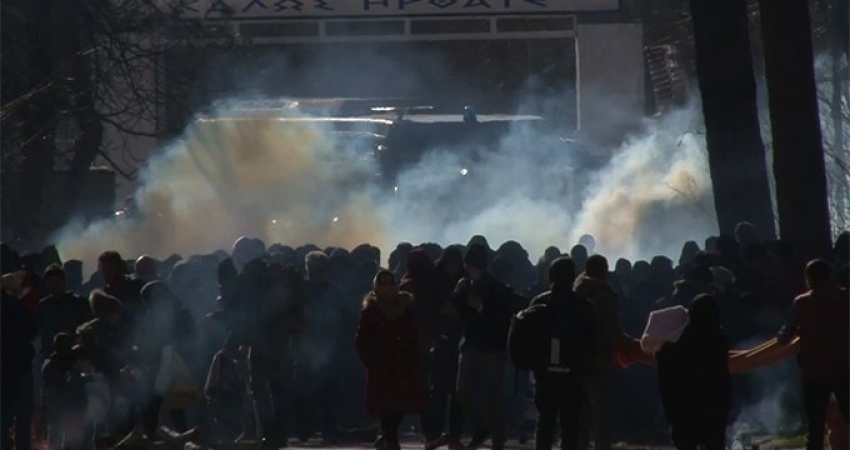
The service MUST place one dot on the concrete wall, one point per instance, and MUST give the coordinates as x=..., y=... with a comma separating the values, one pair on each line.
x=610, y=80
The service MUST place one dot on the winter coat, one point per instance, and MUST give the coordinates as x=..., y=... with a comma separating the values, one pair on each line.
x=604, y=302
x=485, y=330
x=693, y=377
x=426, y=294
x=389, y=350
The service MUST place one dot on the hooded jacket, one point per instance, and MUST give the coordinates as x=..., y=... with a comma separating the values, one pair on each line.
x=388, y=345
x=603, y=299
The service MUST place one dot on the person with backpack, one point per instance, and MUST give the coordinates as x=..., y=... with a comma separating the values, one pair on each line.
x=555, y=338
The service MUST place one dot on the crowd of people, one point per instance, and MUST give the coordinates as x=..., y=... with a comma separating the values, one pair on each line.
x=270, y=343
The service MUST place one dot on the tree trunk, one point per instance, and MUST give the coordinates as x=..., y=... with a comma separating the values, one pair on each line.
x=798, y=158
x=735, y=150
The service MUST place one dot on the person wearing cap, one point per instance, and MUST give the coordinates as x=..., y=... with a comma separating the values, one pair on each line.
x=483, y=305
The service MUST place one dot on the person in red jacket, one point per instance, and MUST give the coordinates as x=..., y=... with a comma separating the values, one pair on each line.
x=388, y=344
x=820, y=318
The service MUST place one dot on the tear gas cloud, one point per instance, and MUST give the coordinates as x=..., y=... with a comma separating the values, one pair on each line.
x=286, y=181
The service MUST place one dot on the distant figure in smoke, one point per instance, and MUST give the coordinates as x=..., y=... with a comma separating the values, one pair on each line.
x=588, y=242
x=483, y=305
x=820, y=318
x=420, y=280
x=320, y=345
x=697, y=413
x=388, y=345
x=271, y=303
x=443, y=360
x=225, y=392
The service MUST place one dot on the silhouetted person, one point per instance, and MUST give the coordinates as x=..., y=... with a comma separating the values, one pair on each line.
x=62, y=311
x=588, y=242
x=694, y=380
x=483, y=305
x=320, y=347
x=54, y=373
x=388, y=345
x=593, y=286
x=559, y=388
x=820, y=318
x=123, y=287
x=443, y=358
x=18, y=332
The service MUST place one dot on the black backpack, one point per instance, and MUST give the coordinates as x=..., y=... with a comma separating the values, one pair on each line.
x=527, y=338
x=543, y=337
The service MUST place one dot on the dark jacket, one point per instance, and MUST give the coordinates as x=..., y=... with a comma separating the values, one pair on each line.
x=61, y=315
x=18, y=332
x=604, y=301
x=485, y=330
x=563, y=306
x=421, y=281
x=389, y=350
x=693, y=376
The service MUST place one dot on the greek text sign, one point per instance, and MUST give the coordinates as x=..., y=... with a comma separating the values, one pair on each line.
x=257, y=9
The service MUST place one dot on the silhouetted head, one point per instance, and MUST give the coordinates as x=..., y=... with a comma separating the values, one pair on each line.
x=385, y=285
x=745, y=234
x=419, y=264
x=689, y=251
x=818, y=274
x=55, y=281
x=145, y=268
x=476, y=260
x=562, y=273
x=597, y=267
x=316, y=265
x=112, y=267
x=451, y=262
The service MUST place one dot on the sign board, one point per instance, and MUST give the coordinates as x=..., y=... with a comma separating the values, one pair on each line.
x=286, y=9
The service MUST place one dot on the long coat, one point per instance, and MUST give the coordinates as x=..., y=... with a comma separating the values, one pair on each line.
x=389, y=350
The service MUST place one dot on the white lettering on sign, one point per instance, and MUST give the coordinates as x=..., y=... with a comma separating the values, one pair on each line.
x=257, y=9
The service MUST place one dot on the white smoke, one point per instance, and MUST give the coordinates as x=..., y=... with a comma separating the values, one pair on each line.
x=285, y=181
